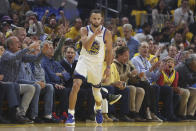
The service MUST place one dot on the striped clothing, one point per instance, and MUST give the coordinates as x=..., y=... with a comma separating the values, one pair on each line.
x=10, y=63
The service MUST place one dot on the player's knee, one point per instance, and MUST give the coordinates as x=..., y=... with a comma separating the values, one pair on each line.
x=97, y=94
x=76, y=85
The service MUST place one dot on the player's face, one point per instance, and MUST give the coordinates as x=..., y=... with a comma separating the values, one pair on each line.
x=96, y=19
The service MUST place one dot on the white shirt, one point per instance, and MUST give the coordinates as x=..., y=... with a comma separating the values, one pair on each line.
x=180, y=16
x=97, y=52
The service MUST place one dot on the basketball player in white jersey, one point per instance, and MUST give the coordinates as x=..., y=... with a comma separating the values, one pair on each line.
x=96, y=45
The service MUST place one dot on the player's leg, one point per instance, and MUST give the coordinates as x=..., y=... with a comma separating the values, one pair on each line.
x=72, y=101
x=79, y=76
x=98, y=103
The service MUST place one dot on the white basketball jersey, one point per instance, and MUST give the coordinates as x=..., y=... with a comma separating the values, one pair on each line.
x=97, y=51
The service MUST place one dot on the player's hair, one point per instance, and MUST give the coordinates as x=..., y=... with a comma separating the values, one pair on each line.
x=95, y=11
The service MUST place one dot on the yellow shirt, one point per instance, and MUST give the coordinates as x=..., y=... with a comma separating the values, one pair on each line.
x=17, y=7
x=168, y=80
x=49, y=30
x=152, y=3
x=114, y=75
x=189, y=36
x=73, y=33
x=149, y=58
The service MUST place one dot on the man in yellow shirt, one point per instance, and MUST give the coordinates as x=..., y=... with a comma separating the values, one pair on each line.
x=115, y=86
x=74, y=32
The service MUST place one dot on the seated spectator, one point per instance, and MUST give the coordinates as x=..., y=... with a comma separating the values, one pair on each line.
x=126, y=72
x=169, y=91
x=187, y=77
x=132, y=43
x=148, y=75
x=27, y=77
x=55, y=74
x=10, y=65
x=154, y=51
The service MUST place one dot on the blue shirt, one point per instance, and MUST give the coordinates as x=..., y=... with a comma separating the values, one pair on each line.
x=25, y=75
x=10, y=63
x=133, y=45
x=38, y=71
x=143, y=65
x=52, y=67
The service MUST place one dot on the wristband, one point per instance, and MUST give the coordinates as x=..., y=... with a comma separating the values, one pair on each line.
x=108, y=66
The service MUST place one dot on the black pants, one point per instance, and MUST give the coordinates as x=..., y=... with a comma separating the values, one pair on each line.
x=63, y=96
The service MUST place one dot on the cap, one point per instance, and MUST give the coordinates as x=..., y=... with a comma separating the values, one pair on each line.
x=30, y=13
x=6, y=18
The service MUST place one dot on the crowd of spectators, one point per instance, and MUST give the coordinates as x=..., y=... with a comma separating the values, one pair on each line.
x=154, y=63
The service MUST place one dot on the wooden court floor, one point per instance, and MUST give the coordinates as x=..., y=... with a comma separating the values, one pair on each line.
x=119, y=126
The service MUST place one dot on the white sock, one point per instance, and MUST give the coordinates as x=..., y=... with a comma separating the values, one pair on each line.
x=97, y=107
x=72, y=112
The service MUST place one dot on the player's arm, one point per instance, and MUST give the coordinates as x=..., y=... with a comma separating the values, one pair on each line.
x=108, y=56
x=109, y=53
x=86, y=40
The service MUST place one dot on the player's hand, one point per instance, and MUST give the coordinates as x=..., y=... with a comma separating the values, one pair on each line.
x=98, y=31
x=106, y=74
